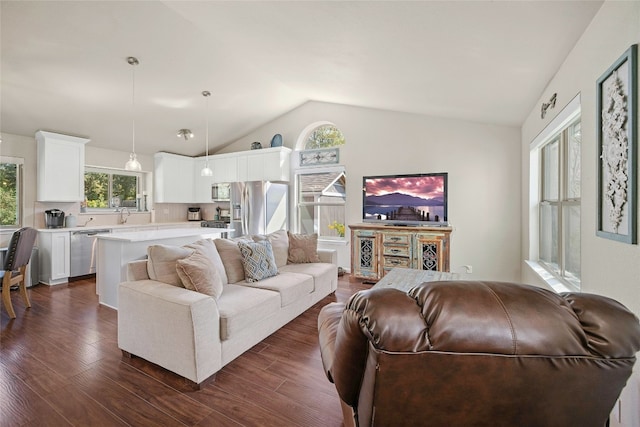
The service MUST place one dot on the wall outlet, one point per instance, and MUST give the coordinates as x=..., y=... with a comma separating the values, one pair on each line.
x=468, y=269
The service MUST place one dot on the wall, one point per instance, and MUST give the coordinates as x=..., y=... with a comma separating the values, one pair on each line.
x=608, y=268
x=483, y=162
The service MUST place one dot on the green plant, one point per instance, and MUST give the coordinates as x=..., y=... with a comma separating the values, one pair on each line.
x=338, y=227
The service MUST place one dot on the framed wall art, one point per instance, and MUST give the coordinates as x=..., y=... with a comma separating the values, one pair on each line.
x=617, y=91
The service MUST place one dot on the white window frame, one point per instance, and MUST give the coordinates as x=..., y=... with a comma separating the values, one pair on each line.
x=112, y=171
x=570, y=114
x=19, y=162
x=297, y=203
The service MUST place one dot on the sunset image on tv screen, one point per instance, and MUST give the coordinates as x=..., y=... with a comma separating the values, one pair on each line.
x=408, y=198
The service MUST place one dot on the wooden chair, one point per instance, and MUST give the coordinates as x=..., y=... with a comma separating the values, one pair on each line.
x=15, y=266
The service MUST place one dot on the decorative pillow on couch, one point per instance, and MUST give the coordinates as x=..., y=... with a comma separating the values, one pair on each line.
x=258, y=260
x=198, y=271
x=231, y=257
x=303, y=248
x=161, y=263
x=279, y=243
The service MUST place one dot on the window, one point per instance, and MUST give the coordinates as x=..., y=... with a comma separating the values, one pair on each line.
x=321, y=197
x=104, y=188
x=559, y=207
x=11, y=192
x=324, y=136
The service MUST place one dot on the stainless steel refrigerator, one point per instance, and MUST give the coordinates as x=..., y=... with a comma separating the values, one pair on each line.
x=258, y=207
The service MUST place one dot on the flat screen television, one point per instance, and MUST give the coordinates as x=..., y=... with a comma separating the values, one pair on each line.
x=416, y=199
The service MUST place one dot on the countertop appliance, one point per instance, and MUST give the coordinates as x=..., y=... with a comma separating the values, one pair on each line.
x=193, y=214
x=54, y=218
x=259, y=207
x=83, y=251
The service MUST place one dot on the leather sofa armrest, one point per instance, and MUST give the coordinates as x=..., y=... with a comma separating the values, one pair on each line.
x=328, y=321
x=328, y=255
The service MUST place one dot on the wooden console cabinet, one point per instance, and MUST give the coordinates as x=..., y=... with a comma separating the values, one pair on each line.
x=376, y=249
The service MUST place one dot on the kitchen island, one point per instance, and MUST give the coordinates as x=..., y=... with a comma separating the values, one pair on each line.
x=115, y=251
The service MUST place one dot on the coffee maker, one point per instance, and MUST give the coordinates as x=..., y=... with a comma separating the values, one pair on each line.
x=54, y=218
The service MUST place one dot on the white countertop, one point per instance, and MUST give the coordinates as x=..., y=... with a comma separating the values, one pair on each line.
x=117, y=226
x=142, y=236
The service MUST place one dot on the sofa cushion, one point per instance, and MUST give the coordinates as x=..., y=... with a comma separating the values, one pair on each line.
x=231, y=258
x=290, y=286
x=321, y=272
x=279, y=243
x=303, y=248
x=257, y=260
x=243, y=306
x=198, y=272
x=161, y=265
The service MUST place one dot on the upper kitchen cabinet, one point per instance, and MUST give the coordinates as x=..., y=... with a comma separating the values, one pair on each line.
x=60, y=163
x=202, y=184
x=225, y=167
x=173, y=176
x=268, y=164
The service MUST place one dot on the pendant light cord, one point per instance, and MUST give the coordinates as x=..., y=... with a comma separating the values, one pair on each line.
x=133, y=61
x=206, y=95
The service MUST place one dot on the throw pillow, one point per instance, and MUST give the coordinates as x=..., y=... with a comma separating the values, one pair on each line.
x=303, y=248
x=258, y=260
x=209, y=248
x=161, y=263
x=280, y=245
x=231, y=258
x=198, y=272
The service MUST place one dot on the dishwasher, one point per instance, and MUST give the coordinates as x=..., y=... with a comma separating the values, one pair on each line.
x=83, y=251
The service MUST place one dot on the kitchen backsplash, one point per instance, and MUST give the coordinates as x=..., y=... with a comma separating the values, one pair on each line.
x=161, y=212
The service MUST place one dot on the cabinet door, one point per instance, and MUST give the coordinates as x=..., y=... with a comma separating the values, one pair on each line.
x=202, y=184
x=173, y=178
x=364, y=256
x=60, y=256
x=224, y=168
x=429, y=252
x=60, y=167
x=271, y=164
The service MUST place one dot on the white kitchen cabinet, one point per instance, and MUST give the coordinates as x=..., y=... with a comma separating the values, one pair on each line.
x=225, y=167
x=202, y=184
x=60, y=165
x=268, y=164
x=55, y=256
x=173, y=178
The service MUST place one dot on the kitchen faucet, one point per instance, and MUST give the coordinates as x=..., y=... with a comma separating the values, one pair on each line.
x=123, y=219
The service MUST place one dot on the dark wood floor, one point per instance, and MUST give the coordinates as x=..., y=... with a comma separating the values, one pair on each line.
x=60, y=365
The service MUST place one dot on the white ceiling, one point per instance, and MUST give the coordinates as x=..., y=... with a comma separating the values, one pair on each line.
x=64, y=68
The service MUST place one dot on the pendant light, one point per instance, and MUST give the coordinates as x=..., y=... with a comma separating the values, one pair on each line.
x=133, y=164
x=206, y=170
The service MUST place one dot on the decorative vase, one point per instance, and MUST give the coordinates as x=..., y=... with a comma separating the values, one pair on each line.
x=256, y=145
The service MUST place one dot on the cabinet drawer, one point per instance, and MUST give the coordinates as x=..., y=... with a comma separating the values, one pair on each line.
x=390, y=262
x=396, y=239
x=402, y=251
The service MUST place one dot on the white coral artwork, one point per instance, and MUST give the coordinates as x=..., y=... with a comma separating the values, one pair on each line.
x=615, y=149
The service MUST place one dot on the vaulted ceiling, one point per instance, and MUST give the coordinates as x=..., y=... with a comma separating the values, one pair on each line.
x=64, y=67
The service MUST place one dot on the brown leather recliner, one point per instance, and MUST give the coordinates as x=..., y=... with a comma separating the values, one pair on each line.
x=463, y=353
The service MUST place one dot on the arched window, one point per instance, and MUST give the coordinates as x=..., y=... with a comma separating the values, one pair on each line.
x=320, y=182
x=324, y=136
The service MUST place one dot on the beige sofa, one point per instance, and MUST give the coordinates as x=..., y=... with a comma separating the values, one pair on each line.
x=194, y=334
